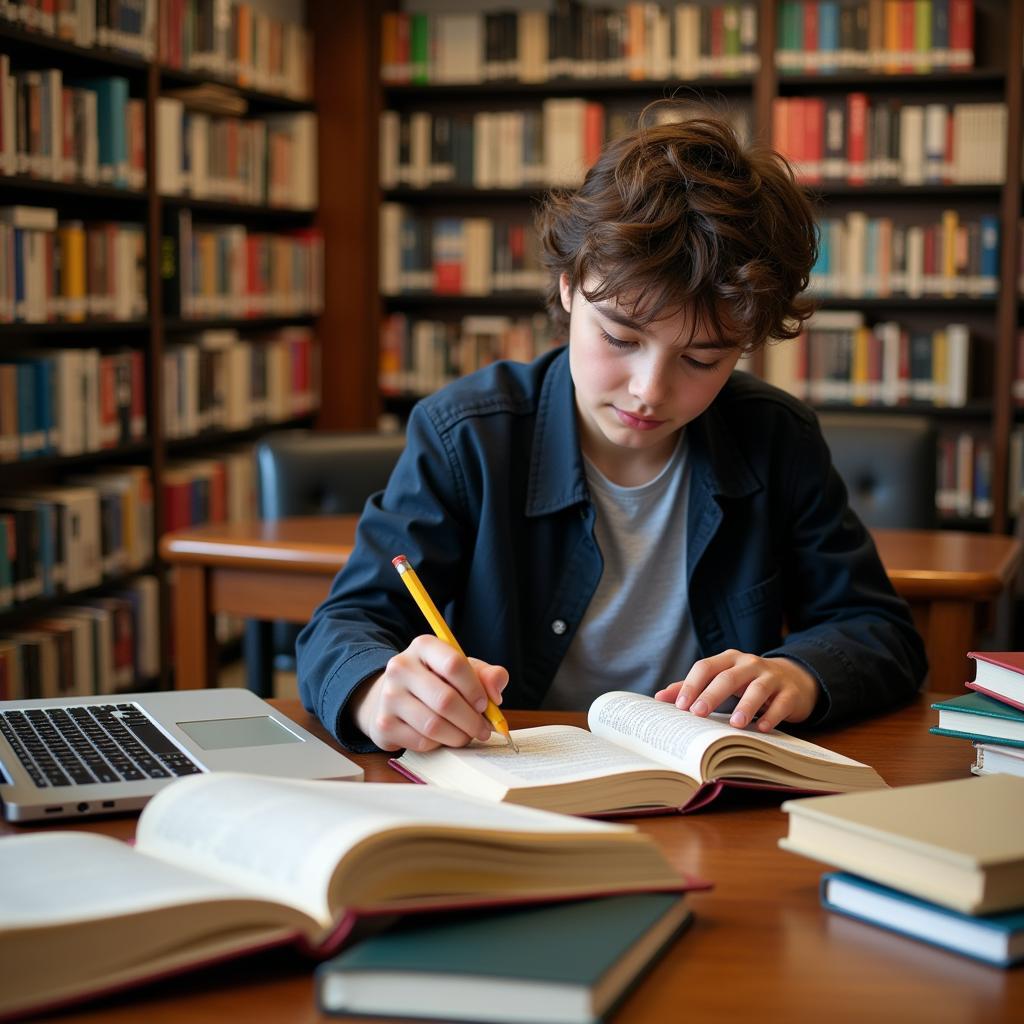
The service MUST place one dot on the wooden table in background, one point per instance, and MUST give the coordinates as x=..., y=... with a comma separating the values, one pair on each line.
x=760, y=948
x=283, y=569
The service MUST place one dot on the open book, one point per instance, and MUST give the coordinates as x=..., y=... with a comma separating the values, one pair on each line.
x=226, y=863
x=641, y=755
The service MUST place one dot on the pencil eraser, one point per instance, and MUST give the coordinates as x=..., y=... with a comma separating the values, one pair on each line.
x=398, y=559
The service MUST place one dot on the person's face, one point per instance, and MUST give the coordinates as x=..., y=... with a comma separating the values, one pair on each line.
x=638, y=386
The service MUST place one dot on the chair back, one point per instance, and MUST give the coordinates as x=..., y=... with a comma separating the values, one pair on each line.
x=308, y=473
x=305, y=472
x=888, y=464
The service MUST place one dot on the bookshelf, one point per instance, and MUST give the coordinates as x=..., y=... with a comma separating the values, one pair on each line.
x=991, y=75
x=196, y=374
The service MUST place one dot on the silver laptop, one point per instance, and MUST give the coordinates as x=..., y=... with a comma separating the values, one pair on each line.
x=78, y=756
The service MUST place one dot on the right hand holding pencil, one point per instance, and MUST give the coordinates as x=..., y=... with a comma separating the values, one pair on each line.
x=429, y=695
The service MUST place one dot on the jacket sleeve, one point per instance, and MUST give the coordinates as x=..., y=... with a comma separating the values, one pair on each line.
x=847, y=625
x=369, y=616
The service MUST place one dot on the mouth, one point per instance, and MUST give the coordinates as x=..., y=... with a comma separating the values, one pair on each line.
x=635, y=422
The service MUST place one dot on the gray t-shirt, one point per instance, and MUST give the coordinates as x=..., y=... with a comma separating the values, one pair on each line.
x=637, y=633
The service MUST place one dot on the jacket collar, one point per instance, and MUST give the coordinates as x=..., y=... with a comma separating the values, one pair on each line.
x=557, y=478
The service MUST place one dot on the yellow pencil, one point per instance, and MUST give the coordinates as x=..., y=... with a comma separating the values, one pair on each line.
x=441, y=630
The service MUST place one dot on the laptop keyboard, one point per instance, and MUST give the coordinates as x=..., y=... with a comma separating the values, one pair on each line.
x=88, y=743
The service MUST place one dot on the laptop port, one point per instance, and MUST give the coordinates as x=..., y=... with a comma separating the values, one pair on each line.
x=107, y=803
x=53, y=810
x=83, y=807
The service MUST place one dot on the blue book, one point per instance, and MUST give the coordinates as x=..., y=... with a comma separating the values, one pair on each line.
x=828, y=35
x=973, y=716
x=989, y=269
x=111, y=106
x=994, y=938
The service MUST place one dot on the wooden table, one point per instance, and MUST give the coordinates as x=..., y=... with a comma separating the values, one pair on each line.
x=760, y=948
x=282, y=570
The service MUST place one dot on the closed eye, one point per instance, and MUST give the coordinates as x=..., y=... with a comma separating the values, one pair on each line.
x=698, y=365
x=615, y=342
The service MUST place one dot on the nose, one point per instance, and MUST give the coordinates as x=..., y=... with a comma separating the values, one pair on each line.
x=650, y=383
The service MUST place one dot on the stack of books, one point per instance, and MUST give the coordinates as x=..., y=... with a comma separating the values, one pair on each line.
x=991, y=715
x=941, y=862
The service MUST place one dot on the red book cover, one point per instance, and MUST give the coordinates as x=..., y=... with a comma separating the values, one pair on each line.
x=999, y=674
x=219, y=494
x=856, y=137
x=717, y=37
x=814, y=138
x=961, y=33
x=810, y=38
x=108, y=402
x=780, y=124
x=907, y=47
x=593, y=133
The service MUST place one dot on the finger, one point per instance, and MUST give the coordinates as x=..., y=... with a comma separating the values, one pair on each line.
x=389, y=732
x=758, y=692
x=700, y=675
x=453, y=667
x=777, y=711
x=670, y=693
x=725, y=684
x=436, y=726
x=493, y=678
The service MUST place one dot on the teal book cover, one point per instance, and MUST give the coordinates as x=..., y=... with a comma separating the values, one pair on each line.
x=975, y=716
x=570, y=960
x=993, y=938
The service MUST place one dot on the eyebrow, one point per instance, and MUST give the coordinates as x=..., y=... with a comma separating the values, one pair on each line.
x=621, y=318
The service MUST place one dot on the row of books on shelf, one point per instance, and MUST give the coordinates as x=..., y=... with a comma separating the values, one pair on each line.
x=71, y=537
x=69, y=270
x=70, y=401
x=860, y=256
x=105, y=644
x=214, y=270
x=838, y=358
x=659, y=41
x=71, y=129
x=239, y=42
x=269, y=160
x=551, y=145
x=126, y=26
x=637, y=40
x=419, y=356
x=857, y=140
x=889, y=36
x=218, y=488
x=457, y=255
x=220, y=381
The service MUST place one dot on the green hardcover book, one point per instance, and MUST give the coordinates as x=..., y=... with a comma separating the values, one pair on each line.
x=569, y=962
x=419, y=48
x=973, y=716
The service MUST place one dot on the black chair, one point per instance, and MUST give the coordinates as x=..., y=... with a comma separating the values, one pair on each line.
x=300, y=473
x=888, y=464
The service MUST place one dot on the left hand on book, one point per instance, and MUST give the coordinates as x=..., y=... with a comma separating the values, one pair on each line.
x=781, y=689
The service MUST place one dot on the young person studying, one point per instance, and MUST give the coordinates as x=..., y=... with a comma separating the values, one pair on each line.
x=627, y=512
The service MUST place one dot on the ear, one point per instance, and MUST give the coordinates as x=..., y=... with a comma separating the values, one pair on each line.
x=566, y=292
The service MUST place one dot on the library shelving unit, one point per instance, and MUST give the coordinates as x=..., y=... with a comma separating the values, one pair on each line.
x=150, y=334
x=994, y=75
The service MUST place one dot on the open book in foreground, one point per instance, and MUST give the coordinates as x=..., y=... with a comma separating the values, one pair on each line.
x=641, y=755
x=224, y=864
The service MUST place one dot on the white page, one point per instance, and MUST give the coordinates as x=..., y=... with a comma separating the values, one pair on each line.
x=679, y=739
x=283, y=838
x=547, y=754
x=53, y=877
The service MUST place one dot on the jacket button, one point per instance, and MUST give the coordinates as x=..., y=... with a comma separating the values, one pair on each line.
x=558, y=627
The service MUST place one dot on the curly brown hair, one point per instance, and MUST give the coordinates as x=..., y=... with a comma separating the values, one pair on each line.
x=682, y=216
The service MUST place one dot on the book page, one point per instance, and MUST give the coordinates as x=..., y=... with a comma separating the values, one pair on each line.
x=65, y=877
x=679, y=739
x=548, y=755
x=284, y=838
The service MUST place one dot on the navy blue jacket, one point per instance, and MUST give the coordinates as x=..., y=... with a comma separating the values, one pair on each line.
x=490, y=503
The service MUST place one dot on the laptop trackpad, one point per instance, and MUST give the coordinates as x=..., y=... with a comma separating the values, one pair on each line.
x=225, y=733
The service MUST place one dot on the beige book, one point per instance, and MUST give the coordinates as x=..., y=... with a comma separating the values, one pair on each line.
x=225, y=863
x=640, y=755
x=958, y=843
